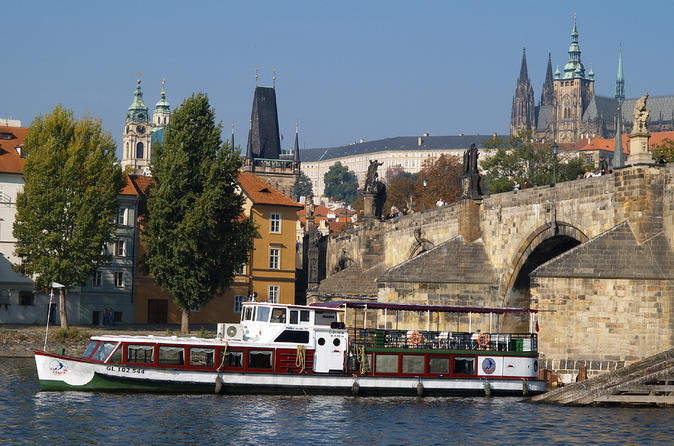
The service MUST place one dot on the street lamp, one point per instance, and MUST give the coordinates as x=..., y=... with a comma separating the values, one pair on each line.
x=423, y=195
x=555, y=149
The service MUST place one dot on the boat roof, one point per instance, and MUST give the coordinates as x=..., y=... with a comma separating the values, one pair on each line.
x=420, y=307
x=305, y=307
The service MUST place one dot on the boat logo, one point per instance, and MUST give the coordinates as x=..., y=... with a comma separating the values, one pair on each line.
x=488, y=366
x=57, y=367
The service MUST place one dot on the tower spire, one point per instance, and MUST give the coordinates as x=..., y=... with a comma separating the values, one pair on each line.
x=574, y=68
x=620, y=80
x=524, y=75
x=618, y=155
x=296, y=148
x=548, y=93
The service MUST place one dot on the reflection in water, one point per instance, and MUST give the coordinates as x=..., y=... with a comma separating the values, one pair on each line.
x=30, y=416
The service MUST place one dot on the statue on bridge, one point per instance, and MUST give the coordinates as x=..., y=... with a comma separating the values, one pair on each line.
x=641, y=115
x=372, y=177
x=374, y=191
x=470, y=182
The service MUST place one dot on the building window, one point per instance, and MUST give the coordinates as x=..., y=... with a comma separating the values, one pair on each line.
x=26, y=298
x=121, y=217
x=98, y=278
x=119, y=280
x=588, y=159
x=240, y=270
x=139, y=150
x=275, y=221
x=274, y=258
x=238, y=300
x=273, y=294
x=119, y=248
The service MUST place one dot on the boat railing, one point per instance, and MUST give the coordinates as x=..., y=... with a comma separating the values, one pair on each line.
x=444, y=340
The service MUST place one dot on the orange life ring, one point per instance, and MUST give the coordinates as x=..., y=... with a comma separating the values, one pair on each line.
x=482, y=340
x=415, y=337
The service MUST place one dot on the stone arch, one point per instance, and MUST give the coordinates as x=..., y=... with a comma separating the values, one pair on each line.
x=419, y=245
x=533, y=241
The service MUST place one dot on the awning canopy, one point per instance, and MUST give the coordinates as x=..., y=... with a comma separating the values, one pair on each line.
x=419, y=307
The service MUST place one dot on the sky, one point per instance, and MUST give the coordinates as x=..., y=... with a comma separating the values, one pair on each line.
x=345, y=70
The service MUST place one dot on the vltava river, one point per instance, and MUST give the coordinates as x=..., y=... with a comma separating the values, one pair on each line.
x=28, y=416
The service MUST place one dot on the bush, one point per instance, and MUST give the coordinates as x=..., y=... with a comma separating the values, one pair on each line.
x=70, y=334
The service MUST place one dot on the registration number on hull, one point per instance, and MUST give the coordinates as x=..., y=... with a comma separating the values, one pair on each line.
x=112, y=368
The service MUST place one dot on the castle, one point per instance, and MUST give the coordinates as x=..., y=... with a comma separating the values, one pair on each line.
x=569, y=109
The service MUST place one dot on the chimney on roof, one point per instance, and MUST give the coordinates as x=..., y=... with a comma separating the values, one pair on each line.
x=426, y=135
x=362, y=140
x=420, y=141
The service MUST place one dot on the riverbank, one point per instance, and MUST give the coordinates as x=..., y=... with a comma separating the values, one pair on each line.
x=18, y=341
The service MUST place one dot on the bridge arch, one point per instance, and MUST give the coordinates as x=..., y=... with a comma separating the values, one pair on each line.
x=543, y=244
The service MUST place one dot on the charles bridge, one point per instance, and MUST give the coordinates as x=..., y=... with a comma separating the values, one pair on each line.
x=594, y=256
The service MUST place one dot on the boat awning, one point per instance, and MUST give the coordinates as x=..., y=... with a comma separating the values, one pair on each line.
x=419, y=307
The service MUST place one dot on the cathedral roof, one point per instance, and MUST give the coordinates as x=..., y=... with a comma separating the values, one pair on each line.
x=545, y=116
x=411, y=143
x=603, y=107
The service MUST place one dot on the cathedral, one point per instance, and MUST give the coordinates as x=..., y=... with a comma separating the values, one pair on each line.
x=569, y=109
x=140, y=132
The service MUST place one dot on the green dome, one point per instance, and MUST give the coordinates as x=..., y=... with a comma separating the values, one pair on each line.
x=137, y=110
x=162, y=106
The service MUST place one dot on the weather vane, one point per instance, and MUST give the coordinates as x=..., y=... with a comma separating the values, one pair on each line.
x=256, y=77
x=274, y=77
x=139, y=77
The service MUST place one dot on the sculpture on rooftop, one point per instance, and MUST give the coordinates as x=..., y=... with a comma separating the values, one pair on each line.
x=641, y=115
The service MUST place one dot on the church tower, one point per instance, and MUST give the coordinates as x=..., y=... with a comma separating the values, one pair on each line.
x=522, y=116
x=137, y=139
x=162, y=110
x=548, y=93
x=573, y=92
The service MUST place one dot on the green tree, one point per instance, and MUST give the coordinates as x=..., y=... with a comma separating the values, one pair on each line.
x=65, y=215
x=399, y=188
x=664, y=152
x=340, y=183
x=443, y=181
x=520, y=159
x=193, y=229
x=303, y=186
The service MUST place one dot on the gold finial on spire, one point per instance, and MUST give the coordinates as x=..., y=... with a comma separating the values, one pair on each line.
x=163, y=90
x=274, y=77
x=139, y=78
x=256, y=77
x=297, y=127
x=574, y=16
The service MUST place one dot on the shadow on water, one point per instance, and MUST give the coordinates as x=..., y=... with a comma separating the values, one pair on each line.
x=31, y=417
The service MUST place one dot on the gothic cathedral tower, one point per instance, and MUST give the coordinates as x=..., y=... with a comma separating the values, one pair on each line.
x=137, y=140
x=522, y=116
x=573, y=93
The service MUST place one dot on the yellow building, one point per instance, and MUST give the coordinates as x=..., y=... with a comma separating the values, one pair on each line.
x=270, y=272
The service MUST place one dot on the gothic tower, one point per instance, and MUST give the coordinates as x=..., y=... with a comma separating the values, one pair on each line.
x=522, y=116
x=573, y=92
x=548, y=93
x=618, y=155
x=137, y=139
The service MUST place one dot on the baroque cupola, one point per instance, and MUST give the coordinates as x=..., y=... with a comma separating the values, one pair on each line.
x=162, y=109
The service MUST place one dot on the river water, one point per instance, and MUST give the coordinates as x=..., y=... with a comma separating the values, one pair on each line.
x=29, y=416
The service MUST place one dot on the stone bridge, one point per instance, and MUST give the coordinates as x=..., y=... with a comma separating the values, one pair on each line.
x=594, y=256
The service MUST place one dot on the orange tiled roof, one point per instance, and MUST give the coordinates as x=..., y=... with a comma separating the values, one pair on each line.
x=138, y=183
x=608, y=145
x=260, y=192
x=10, y=161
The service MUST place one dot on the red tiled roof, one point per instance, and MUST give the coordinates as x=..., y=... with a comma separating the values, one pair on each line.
x=260, y=192
x=137, y=185
x=10, y=161
x=608, y=145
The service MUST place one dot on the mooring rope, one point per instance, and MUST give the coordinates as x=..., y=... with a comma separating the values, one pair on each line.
x=301, y=358
x=224, y=354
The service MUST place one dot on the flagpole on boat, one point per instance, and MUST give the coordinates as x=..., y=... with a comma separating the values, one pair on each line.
x=51, y=299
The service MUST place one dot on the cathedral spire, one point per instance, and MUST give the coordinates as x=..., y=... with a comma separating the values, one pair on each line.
x=524, y=75
x=574, y=67
x=296, y=149
x=618, y=155
x=620, y=81
x=522, y=115
x=548, y=93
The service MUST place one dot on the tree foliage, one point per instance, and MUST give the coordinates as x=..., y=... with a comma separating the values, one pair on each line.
x=664, y=152
x=520, y=159
x=194, y=230
x=443, y=178
x=303, y=186
x=340, y=183
x=399, y=188
x=65, y=215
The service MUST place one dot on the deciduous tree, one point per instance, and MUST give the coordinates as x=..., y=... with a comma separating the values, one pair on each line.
x=399, y=188
x=65, y=215
x=303, y=186
x=664, y=152
x=443, y=178
x=194, y=230
x=340, y=183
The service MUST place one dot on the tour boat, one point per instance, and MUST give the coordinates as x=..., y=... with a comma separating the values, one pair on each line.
x=308, y=349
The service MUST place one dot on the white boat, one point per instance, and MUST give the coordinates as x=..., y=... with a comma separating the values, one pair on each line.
x=305, y=349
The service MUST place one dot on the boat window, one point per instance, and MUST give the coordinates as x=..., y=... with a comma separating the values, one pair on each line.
x=386, y=364
x=233, y=359
x=297, y=336
x=103, y=351
x=262, y=314
x=294, y=316
x=171, y=355
x=413, y=364
x=278, y=315
x=304, y=315
x=116, y=357
x=90, y=349
x=259, y=359
x=202, y=357
x=464, y=365
x=247, y=313
x=142, y=354
x=438, y=365
x=324, y=317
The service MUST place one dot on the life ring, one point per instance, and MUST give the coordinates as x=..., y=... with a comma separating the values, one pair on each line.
x=415, y=337
x=482, y=340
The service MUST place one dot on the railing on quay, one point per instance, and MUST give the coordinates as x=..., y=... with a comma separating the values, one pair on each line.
x=444, y=340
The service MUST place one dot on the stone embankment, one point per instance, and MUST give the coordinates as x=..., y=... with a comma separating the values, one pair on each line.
x=20, y=340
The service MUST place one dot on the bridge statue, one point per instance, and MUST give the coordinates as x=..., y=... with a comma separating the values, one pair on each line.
x=641, y=115
x=372, y=177
x=470, y=182
x=374, y=191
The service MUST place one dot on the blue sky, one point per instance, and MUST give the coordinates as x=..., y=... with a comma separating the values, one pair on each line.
x=345, y=70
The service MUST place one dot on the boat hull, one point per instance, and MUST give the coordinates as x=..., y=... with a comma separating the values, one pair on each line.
x=64, y=373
